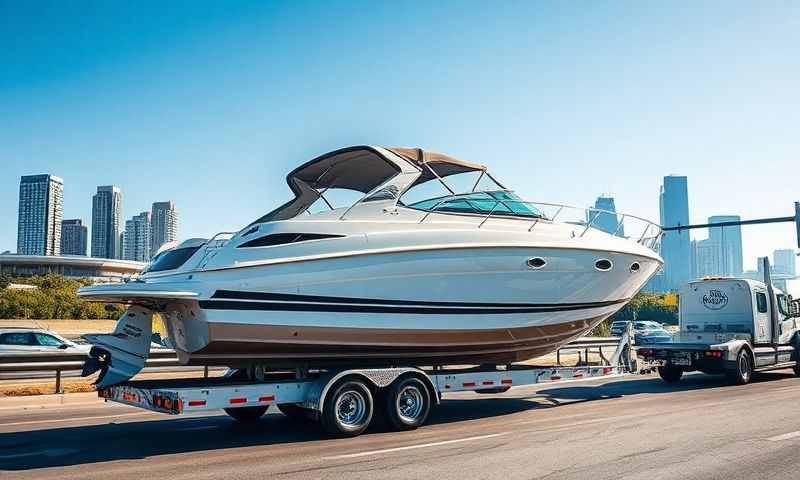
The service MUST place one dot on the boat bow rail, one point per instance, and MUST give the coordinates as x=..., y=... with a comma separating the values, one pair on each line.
x=638, y=229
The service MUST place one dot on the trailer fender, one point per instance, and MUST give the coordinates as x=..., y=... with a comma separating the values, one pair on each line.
x=378, y=377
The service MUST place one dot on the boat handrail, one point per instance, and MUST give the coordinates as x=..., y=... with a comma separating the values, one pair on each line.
x=212, y=245
x=649, y=237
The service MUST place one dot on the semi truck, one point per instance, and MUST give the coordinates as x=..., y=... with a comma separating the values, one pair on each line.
x=730, y=326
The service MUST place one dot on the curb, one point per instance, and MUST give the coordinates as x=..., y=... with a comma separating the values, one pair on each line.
x=44, y=401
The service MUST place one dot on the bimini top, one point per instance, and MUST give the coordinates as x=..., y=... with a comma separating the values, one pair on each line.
x=363, y=169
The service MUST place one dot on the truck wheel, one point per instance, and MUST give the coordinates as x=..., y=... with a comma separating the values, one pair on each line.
x=742, y=372
x=670, y=374
x=246, y=414
x=294, y=411
x=408, y=403
x=348, y=409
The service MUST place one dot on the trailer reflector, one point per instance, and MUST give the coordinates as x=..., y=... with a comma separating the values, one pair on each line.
x=487, y=382
x=197, y=403
x=238, y=400
x=266, y=398
x=506, y=381
x=468, y=384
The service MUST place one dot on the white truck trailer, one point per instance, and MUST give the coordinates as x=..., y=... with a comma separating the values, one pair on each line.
x=344, y=401
x=730, y=326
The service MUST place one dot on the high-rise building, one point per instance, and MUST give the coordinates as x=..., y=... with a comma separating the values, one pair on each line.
x=136, y=240
x=606, y=220
x=164, y=225
x=106, y=213
x=785, y=262
x=41, y=207
x=729, y=240
x=676, y=247
x=74, y=237
x=721, y=253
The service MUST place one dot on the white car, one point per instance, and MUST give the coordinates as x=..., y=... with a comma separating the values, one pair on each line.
x=30, y=340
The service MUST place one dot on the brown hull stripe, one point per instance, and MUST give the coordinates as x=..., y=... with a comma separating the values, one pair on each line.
x=232, y=344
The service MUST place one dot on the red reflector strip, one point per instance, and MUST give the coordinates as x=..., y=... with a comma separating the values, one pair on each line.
x=487, y=382
x=506, y=381
x=555, y=377
x=447, y=385
x=468, y=384
x=606, y=371
x=266, y=398
x=234, y=401
x=197, y=403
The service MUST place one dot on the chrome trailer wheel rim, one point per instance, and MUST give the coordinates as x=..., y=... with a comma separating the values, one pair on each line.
x=351, y=409
x=410, y=403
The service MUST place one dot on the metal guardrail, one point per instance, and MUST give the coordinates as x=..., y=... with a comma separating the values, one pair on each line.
x=59, y=362
x=20, y=363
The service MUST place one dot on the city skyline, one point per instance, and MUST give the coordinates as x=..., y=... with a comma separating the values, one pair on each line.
x=41, y=229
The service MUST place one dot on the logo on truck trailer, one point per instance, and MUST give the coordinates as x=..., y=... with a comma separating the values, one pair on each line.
x=715, y=299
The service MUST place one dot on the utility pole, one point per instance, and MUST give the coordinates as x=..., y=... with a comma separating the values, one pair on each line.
x=794, y=218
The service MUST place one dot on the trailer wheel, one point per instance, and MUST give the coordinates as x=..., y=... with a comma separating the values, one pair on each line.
x=408, y=403
x=246, y=414
x=348, y=409
x=670, y=374
x=742, y=372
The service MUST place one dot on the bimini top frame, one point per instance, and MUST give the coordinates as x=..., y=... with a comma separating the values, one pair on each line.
x=371, y=170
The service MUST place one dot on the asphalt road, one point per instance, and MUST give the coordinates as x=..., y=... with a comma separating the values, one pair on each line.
x=634, y=428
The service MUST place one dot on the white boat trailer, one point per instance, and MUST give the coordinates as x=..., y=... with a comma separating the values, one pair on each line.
x=345, y=400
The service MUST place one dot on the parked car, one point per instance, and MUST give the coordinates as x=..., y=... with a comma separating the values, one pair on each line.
x=646, y=332
x=618, y=327
x=28, y=340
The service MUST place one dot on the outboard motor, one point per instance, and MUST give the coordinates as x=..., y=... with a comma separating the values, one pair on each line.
x=120, y=355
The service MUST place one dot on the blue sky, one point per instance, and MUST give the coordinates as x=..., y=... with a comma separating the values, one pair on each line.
x=210, y=104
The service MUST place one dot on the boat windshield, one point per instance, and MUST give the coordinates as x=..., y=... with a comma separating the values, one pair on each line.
x=499, y=202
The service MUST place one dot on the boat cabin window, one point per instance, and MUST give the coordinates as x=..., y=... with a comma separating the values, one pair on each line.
x=466, y=182
x=170, y=259
x=496, y=203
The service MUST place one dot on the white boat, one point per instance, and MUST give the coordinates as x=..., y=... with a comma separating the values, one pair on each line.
x=473, y=275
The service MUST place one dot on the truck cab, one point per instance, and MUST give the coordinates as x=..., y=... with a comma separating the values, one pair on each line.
x=730, y=326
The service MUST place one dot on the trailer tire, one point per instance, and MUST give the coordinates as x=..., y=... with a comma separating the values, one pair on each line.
x=246, y=414
x=742, y=372
x=670, y=374
x=348, y=409
x=408, y=403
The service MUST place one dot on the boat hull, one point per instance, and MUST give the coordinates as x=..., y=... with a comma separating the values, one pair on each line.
x=289, y=346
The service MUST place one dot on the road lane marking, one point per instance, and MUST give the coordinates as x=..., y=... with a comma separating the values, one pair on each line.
x=74, y=419
x=414, y=447
x=52, y=452
x=785, y=436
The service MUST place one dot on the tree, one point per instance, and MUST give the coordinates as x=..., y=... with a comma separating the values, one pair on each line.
x=56, y=297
